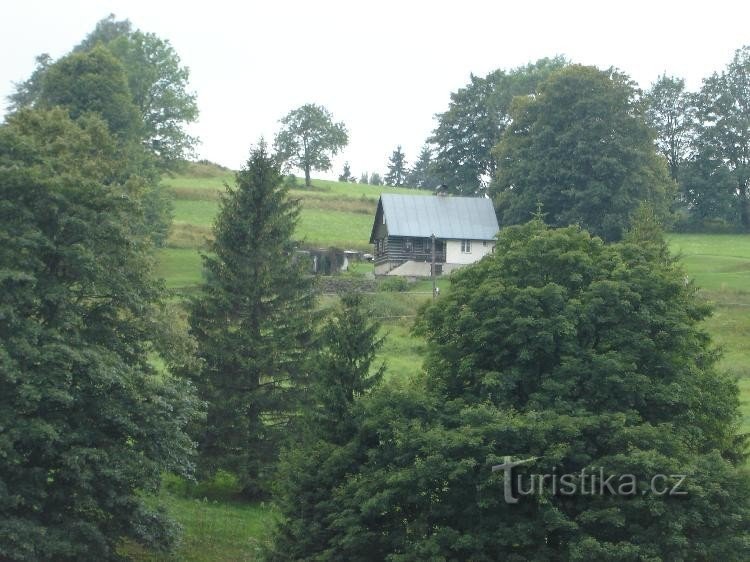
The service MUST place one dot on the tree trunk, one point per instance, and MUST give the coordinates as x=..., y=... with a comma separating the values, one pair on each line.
x=307, y=176
x=744, y=210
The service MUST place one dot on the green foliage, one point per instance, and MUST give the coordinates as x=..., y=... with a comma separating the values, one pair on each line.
x=105, y=31
x=723, y=135
x=670, y=112
x=397, y=169
x=88, y=425
x=707, y=190
x=375, y=179
x=252, y=322
x=364, y=179
x=581, y=149
x=562, y=348
x=27, y=92
x=153, y=106
x=95, y=82
x=393, y=285
x=159, y=88
x=477, y=116
x=134, y=81
x=343, y=371
x=422, y=174
x=343, y=374
x=309, y=138
x=346, y=175
x=92, y=81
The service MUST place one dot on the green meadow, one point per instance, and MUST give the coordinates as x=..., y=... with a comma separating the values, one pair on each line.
x=340, y=214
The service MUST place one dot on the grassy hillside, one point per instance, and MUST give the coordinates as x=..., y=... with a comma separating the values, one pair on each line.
x=720, y=265
x=333, y=213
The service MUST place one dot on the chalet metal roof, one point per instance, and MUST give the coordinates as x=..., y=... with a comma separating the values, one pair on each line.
x=421, y=216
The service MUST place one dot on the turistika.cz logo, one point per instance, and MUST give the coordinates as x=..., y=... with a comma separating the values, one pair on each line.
x=587, y=482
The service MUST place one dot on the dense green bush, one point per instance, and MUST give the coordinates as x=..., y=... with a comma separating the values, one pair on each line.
x=393, y=285
x=563, y=351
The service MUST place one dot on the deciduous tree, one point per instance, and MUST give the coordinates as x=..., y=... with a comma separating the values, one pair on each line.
x=87, y=424
x=582, y=150
x=309, y=138
x=475, y=120
x=573, y=355
x=670, y=112
x=156, y=80
x=723, y=135
x=92, y=82
x=27, y=92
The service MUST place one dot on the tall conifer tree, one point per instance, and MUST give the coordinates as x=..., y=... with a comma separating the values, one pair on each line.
x=252, y=321
x=345, y=371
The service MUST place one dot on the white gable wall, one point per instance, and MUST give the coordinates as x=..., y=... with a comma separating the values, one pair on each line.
x=479, y=249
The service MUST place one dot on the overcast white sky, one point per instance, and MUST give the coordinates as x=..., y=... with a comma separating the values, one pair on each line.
x=384, y=67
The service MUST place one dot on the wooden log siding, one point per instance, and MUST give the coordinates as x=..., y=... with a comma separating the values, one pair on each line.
x=400, y=249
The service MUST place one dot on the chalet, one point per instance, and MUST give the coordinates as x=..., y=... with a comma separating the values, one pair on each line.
x=463, y=229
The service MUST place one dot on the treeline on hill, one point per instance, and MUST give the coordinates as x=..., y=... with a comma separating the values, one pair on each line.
x=579, y=351
x=493, y=130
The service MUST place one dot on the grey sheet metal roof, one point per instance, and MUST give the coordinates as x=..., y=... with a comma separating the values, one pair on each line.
x=469, y=218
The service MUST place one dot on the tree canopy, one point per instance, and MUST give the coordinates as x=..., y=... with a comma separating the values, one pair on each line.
x=309, y=138
x=159, y=107
x=397, y=169
x=422, y=174
x=562, y=349
x=252, y=322
x=476, y=118
x=92, y=82
x=88, y=424
x=670, y=112
x=723, y=129
x=582, y=150
x=344, y=371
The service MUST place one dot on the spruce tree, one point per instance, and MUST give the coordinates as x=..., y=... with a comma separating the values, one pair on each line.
x=421, y=175
x=397, y=169
x=344, y=371
x=346, y=175
x=252, y=321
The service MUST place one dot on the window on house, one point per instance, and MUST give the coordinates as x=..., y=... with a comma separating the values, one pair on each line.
x=408, y=245
x=466, y=246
